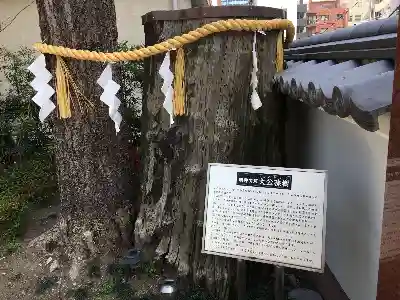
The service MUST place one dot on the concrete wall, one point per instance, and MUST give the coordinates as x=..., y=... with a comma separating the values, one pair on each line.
x=129, y=14
x=24, y=31
x=356, y=164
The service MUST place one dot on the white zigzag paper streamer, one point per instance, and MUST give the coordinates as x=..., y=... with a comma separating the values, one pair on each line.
x=41, y=85
x=167, y=87
x=109, y=97
x=255, y=99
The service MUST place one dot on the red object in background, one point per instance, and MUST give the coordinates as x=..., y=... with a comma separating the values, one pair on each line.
x=324, y=16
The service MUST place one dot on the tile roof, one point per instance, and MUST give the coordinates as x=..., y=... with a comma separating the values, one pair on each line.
x=363, y=30
x=341, y=84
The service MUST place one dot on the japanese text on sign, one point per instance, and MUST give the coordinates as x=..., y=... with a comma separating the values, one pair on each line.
x=275, y=181
x=266, y=214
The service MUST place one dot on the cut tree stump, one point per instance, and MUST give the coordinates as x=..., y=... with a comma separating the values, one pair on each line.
x=220, y=127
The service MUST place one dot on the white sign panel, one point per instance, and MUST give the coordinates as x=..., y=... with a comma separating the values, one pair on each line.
x=271, y=215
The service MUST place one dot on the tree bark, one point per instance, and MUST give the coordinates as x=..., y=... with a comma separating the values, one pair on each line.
x=220, y=127
x=92, y=161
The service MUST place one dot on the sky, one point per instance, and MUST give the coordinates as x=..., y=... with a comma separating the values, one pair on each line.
x=290, y=5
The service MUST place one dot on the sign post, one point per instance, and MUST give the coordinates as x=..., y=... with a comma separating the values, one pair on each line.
x=268, y=215
x=279, y=286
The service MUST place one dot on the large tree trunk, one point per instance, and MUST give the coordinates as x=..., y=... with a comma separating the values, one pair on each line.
x=92, y=161
x=220, y=126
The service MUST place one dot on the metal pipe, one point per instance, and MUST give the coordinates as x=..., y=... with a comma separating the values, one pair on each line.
x=241, y=279
x=174, y=4
x=279, y=291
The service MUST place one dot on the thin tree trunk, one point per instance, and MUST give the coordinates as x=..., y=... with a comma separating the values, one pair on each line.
x=92, y=161
x=220, y=126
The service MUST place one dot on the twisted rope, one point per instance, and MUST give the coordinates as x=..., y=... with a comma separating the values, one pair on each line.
x=279, y=53
x=173, y=43
x=179, y=87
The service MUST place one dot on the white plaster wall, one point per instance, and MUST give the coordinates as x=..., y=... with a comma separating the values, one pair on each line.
x=24, y=31
x=356, y=164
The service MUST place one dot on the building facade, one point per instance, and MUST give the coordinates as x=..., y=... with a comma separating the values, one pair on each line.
x=301, y=19
x=359, y=10
x=384, y=8
x=324, y=16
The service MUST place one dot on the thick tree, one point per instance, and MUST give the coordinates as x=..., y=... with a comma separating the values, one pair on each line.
x=92, y=161
x=220, y=127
